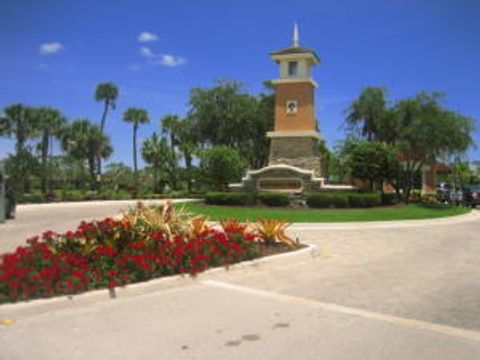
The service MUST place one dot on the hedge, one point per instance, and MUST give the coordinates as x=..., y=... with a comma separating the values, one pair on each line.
x=364, y=200
x=230, y=198
x=274, y=199
x=389, y=198
x=343, y=200
x=327, y=200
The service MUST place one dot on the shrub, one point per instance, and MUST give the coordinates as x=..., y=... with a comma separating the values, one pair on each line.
x=72, y=195
x=415, y=196
x=327, y=200
x=274, y=199
x=230, y=198
x=389, y=198
x=114, y=195
x=429, y=199
x=35, y=197
x=221, y=165
x=172, y=195
x=364, y=200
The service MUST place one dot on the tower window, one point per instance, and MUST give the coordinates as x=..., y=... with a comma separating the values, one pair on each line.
x=292, y=68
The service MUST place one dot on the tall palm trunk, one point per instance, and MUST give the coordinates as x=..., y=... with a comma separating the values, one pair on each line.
x=45, y=146
x=135, y=128
x=102, y=126
x=91, y=168
x=188, y=165
x=156, y=186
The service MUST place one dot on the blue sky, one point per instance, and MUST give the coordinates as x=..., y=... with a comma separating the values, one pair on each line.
x=405, y=46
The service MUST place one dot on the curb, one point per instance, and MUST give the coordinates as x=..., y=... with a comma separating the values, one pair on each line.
x=34, y=307
x=100, y=202
x=361, y=225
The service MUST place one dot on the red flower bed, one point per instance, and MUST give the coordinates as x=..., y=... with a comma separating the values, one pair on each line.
x=112, y=253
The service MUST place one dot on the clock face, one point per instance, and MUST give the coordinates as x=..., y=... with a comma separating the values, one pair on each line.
x=292, y=107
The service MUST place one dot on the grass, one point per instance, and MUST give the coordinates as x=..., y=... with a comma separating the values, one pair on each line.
x=399, y=212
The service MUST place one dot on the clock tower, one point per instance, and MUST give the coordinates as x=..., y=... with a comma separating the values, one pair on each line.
x=294, y=157
x=294, y=140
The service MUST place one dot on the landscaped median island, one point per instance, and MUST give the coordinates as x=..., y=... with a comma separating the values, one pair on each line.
x=144, y=243
x=299, y=215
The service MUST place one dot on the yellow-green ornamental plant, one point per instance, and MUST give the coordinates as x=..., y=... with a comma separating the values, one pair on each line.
x=271, y=230
x=164, y=218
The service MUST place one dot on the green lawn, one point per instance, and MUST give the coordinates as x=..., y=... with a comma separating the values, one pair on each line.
x=326, y=215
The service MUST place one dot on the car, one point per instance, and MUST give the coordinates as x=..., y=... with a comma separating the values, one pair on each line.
x=443, y=192
x=471, y=195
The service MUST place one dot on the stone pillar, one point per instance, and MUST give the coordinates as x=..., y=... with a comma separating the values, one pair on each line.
x=300, y=152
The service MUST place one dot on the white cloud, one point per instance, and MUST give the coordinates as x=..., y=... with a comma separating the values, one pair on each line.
x=171, y=60
x=147, y=37
x=50, y=48
x=145, y=51
x=162, y=59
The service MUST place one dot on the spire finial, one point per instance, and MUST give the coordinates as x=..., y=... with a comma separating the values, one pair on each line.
x=295, y=35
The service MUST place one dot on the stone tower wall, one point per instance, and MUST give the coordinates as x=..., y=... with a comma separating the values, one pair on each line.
x=301, y=152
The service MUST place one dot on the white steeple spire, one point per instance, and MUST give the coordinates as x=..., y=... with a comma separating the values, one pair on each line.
x=295, y=35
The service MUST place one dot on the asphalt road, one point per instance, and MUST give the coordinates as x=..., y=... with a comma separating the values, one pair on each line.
x=407, y=290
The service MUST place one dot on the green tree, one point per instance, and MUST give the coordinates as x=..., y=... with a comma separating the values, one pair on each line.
x=85, y=141
x=368, y=112
x=135, y=116
x=221, y=165
x=117, y=175
x=226, y=115
x=19, y=123
x=170, y=125
x=50, y=123
x=426, y=131
x=187, y=145
x=373, y=162
x=325, y=158
x=107, y=93
x=156, y=153
x=260, y=145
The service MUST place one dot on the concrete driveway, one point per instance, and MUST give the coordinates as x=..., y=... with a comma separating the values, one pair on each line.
x=405, y=290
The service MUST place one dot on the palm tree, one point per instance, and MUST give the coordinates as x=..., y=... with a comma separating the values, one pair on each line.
x=84, y=141
x=18, y=122
x=107, y=93
x=155, y=152
x=187, y=144
x=136, y=116
x=170, y=125
x=50, y=122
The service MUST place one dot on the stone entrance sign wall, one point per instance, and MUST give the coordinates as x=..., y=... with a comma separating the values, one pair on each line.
x=280, y=178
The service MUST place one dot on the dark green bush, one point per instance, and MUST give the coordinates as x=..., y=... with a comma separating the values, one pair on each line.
x=274, y=199
x=229, y=198
x=327, y=200
x=31, y=198
x=72, y=195
x=114, y=195
x=389, y=198
x=364, y=200
x=172, y=195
